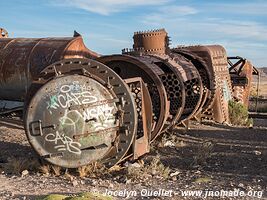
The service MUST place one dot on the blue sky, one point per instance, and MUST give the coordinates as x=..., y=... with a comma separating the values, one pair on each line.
x=107, y=26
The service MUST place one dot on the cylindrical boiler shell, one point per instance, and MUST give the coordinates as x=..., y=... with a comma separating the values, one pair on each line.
x=21, y=61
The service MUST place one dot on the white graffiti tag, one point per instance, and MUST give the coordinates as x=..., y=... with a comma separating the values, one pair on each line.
x=73, y=121
x=70, y=95
x=103, y=116
x=84, y=119
x=63, y=143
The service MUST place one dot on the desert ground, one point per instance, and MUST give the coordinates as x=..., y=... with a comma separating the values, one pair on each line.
x=208, y=157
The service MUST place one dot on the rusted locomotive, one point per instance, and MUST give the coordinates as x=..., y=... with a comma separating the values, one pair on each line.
x=80, y=107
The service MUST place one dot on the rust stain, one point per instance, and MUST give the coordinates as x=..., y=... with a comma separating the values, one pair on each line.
x=151, y=88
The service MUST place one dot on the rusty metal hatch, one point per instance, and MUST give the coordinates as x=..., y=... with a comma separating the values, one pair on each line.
x=81, y=111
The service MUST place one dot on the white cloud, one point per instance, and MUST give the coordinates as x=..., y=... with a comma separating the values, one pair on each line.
x=208, y=27
x=241, y=29
x=240, y=37
x=177, y=10
x=168, y=14
x=255, y=52
x=106, y=7
x=255, y=8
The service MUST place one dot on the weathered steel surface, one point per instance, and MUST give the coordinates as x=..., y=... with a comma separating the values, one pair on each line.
x=215, y=59
x=193, y=87
x=129, y=67
x=21, y=61
x=181, y=78
x=205, y=75
x=173, y=82
x=80, y=111
x=152, y=42
x=141, y=143
x=241, y=71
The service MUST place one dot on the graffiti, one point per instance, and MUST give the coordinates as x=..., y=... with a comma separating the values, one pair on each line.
x=97, y=118
x=77, y=121
x=102, y=113
x=72, y=121
x=68, y=99
x=63, y=143
x=52, y=103
x=70, y=95
x=226, y=91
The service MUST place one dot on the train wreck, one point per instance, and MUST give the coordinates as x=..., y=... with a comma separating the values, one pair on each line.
x=80, y=107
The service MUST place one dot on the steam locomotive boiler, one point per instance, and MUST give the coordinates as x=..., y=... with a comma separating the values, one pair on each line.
x=80, y=107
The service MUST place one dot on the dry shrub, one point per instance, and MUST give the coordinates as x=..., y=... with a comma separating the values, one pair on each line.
x=238, y=114
x=45, y=169
x=155, y=168
x=92, y=170
x=17, y=165
x=56, y=170
x=204, y=151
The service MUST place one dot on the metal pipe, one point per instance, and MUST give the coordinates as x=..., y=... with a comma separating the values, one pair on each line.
x=258, y=91
x=20, y=108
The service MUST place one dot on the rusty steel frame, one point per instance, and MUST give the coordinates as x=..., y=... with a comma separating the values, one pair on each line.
x=214, y=60
x=206, y=76
x=172, y=74
x=129, y=67
x=141, y=143
x=194, y=91
x=241, y=72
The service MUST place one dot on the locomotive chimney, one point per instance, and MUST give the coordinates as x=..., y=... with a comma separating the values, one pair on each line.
x=151, y=42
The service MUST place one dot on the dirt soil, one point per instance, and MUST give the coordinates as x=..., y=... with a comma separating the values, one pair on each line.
x=208, y=157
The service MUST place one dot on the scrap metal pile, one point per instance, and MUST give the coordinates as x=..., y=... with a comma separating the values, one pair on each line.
x=80, y=107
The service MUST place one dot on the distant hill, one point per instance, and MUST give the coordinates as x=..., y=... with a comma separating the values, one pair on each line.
x=263, y=81
x=263, y=71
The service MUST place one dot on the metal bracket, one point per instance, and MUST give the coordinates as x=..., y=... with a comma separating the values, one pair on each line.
x=36, y=128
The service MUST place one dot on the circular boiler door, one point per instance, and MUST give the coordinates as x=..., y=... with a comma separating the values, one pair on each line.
x=71, y=121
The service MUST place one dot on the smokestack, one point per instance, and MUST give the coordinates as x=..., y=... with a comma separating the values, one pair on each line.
x=151, y=42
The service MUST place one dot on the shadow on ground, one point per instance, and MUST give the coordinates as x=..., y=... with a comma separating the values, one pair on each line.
x=231, y=152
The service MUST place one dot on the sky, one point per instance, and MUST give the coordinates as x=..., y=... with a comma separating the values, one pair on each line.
x=107, y=26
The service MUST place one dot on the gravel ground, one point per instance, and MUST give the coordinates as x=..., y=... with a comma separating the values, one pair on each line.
x=208, y=157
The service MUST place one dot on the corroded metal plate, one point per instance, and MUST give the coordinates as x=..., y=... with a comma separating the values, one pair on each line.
x=71, y=121
x=83, y=112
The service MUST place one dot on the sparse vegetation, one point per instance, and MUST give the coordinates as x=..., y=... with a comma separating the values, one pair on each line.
x=56, y=170
x=238, y=114
x=155, y=168
x=54, y=197
x=45, y=169
x=17, y=165
x=204, y=151
x=93, y=170
x=82, y=196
